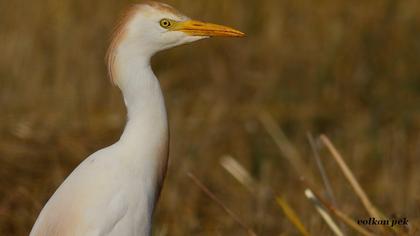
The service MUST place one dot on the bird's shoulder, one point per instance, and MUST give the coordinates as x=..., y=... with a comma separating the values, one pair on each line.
x=89, y=201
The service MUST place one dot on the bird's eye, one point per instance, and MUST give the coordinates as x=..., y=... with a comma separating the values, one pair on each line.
x=165, y=23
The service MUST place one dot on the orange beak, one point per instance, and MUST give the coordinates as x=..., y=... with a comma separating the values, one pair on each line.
x=198, y=28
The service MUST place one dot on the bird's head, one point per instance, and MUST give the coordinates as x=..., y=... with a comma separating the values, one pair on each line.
x=152, y=27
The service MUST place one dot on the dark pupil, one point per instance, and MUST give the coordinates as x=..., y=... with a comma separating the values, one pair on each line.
x=165, y=23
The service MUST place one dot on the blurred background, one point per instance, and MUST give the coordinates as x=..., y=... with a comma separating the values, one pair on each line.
x=347, y=69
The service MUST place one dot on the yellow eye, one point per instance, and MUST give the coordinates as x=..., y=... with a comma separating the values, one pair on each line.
x=165, y=23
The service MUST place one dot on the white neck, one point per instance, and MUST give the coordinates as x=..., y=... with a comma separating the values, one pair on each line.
x=144, y=101
x=147, y=119
x=144, y=142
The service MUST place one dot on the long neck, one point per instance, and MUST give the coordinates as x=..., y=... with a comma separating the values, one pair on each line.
x=147, y=119
x=145, y=138
x=145, y=106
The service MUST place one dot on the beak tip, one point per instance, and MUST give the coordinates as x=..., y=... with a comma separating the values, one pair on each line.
x=240, y=35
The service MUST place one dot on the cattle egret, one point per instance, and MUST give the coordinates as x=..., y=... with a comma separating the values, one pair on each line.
x=114, y=191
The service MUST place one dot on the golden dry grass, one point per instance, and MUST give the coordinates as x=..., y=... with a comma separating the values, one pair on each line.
x=349, y=69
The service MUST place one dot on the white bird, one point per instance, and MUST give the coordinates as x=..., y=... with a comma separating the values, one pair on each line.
x=114, y=191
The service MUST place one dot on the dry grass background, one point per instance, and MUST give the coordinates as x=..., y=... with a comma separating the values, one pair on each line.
x=349, y=69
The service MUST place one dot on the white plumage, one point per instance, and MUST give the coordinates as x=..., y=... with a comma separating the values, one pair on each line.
x=114, y=190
